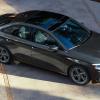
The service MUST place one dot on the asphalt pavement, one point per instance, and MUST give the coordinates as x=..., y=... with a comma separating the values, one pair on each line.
x=31, y=83
x=25, y=82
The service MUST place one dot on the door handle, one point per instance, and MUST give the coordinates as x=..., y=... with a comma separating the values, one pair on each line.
x=7, y=40
x=33, y=47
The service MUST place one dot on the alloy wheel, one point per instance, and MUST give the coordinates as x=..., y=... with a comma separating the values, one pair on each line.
x=79, y=75
x=4, y=55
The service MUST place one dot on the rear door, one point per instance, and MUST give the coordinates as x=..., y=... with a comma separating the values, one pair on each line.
x=18, y=39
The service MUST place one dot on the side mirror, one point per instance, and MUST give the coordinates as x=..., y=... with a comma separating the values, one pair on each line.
x=54, y=48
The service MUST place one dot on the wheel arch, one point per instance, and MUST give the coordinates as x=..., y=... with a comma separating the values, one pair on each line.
x=10, y=53
x=86, y=67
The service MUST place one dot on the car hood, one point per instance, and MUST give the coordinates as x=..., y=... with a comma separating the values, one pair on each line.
x=89, y=51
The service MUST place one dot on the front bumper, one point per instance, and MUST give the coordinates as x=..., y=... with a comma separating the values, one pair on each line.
x=97, y=78
x=95, y=75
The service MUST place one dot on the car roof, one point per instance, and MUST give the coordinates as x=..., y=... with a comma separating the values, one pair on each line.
x=46, y=19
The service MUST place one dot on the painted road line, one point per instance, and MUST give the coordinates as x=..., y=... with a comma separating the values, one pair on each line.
x=6, y=82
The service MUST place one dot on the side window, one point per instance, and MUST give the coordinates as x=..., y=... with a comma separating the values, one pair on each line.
x=10, y=29
x=43, y=38
x=20, y=31
x=24, y=32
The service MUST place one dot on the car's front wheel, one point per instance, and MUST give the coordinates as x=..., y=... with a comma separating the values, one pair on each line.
x=5, y=55
x=79, y=75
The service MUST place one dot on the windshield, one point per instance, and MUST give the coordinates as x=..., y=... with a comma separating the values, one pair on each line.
x=71, y=34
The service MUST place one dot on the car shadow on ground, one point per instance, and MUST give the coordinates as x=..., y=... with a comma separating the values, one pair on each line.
x=28, y=71
x=32, y=72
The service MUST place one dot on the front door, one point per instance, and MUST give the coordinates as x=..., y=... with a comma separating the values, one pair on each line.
x=45, y=53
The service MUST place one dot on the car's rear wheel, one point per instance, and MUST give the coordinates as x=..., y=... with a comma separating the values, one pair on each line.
x=5, y=55
x=79, y=75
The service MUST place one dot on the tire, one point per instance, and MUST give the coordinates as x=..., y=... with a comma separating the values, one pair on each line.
x=5, y=55
x=79, y=75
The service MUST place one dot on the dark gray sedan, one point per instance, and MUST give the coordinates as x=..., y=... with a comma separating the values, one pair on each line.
x=52, y=41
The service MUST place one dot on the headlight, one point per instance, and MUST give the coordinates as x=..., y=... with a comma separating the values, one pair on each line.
x=97, y=66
